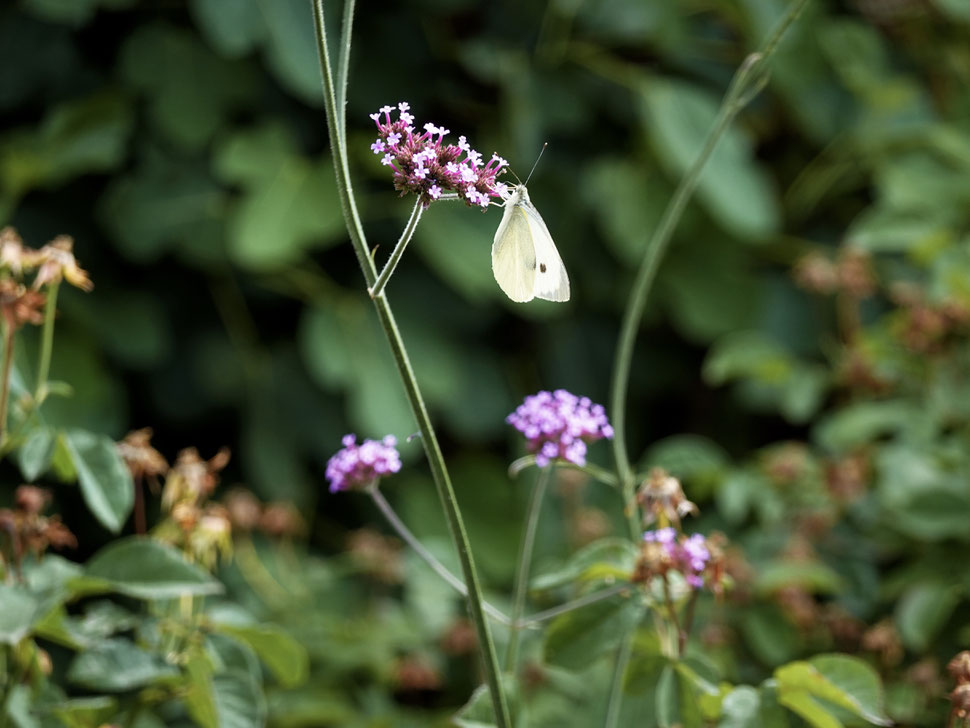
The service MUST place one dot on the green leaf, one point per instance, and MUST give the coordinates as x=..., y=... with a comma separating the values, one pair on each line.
x=103, y=476
x=118, y=665
x=290, y=205
x=86, y=712
x=239, y=701
x=740, y=708
x=607, y=557
x=677, y=118
x=844, y=681
x=291, y=48
x=18, y=615
x=575, y=639
x=146, y=569
x=200, y=699
x=858, y=424
x=478, y=712
x=923, y=610
x=191, y=92
x=72, y=12
x=34, y=456
x=668, y=702
x=233, y=27
x=286, y=657
x=811, y=576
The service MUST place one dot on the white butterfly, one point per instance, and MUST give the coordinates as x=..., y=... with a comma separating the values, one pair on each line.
x=525, y=261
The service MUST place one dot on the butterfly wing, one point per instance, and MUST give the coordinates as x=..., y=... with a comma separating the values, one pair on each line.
x=514, y=252
x=551, y=282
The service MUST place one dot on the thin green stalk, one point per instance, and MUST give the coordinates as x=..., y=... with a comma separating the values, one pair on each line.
x=569, y=606
x=525, y=561
x=343, y=68
x=421, y=550
x=616, y=689
x=749, y=78
x=8, y=332
x=378, y=287
x=46, y=344
x=429, y=439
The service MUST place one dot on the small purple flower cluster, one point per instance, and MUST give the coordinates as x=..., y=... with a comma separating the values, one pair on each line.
x=426, y=166
x=559, y=424
x=358, y=466
x=689, y=554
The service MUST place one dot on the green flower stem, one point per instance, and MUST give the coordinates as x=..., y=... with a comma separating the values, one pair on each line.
x=616, y=689
x=748, y=80
x=439, y=471
x=594, y=471
x=343, y=69
x=46, y=344
x=569, y=606
x=525, y=561
x=421, y=550
x=378, y=287
x=5, y=379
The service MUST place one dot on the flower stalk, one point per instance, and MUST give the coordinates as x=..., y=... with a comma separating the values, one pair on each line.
x=378, y=287
x=429, y=438
x=47, y=344
x=525, y=562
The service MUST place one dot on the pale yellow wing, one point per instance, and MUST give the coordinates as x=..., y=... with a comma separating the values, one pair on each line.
x=513, y=252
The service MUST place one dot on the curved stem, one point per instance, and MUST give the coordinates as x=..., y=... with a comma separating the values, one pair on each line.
x=5, y=372
x=421, y=550
x=378, y=287
x=569, y=606
x=429, y=439
x=525, y=561
x=749, y=78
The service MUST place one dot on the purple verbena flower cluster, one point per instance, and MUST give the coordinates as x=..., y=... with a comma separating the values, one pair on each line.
x=688, y=554
x=423, y=164
x=358, y=466
x=559, y=424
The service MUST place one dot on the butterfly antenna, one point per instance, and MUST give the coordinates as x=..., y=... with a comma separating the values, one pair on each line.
x=544, y=145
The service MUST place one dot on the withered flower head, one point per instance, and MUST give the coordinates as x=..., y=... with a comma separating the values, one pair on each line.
x=14, y=255
x=662, y=499
x=460, y=638
x=848, y=477
x=816, y=274
x=376, y=555
x=193, y=479
x=57, y=261
x=142, y=459
x=959, y=667
x=856, y=278
x=31, y=499
x=414, y=673
x=211, y=539
x=883, y=639
x=243, y=508
x=960, y=700
x=20, y=305
x=281, y=519
x=786, y=463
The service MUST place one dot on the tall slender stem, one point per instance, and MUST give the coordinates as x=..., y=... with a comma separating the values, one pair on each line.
x=343, y=67
x=439, y=471
x=749, y=78
x=8, y=331
x=578, y=603
x=378, y=287
x=46, y=344
x=421, y=550
x=525, y=561
x=616, y=688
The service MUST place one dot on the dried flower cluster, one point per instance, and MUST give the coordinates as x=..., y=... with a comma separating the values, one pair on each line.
x=360, y=466
x=661, y=498
x=959, y=669
x=423, y=164
x=558, y=425
x=27, y=531
x=665, y=550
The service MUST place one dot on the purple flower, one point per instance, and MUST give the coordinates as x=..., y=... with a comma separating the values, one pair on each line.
x=559, y=425
x=689, y=555
x=422, y=162
x=359, y=466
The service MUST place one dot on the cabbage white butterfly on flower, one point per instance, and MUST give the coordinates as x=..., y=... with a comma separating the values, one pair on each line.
x=525, y=261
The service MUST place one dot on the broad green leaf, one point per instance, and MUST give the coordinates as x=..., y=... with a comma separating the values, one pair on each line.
x=677, y=118
x=291, y=48
x=668, y=701
x=146, y=569
x=844, y=681
x=77, y=137
x=200, y=699
x=811, y=576
x=34, y=456
x=233, y=27
x=103, y=476
x=740, y=708
x=606, y=557
x=858, y=424
x=118, y=665
x=768, y=634
x=239, y=701
x=191, y=91
x=290, y=203
x=923, y=610
x=575, y=639
x=19, y=612
x=282, y=654
x=86, y=712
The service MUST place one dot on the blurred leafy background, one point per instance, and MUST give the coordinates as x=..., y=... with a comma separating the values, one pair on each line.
x=183, y=145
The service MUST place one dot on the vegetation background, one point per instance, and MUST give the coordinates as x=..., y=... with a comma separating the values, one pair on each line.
x=184, y=146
